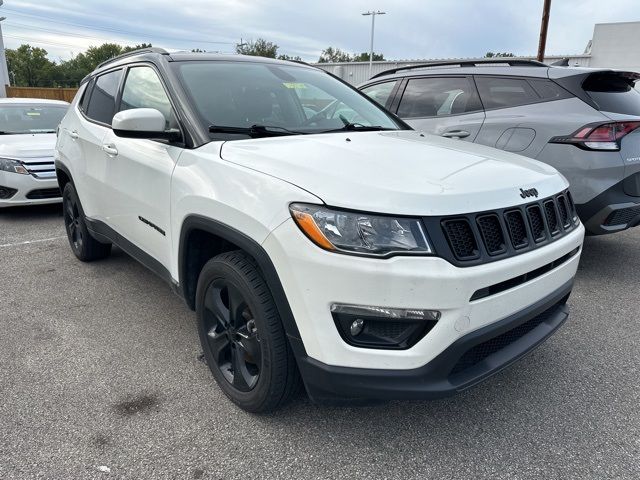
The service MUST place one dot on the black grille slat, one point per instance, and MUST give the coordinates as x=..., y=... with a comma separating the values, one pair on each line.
x=488, y=236
x=552, y=217
x=538, y=229
x=461, y=239
x=517, y=229
x=572, y=207
x=44, y=193
x=492, y=234
x=563, y=210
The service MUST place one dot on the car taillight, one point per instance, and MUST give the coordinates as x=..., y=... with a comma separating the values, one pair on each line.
x=600, y=136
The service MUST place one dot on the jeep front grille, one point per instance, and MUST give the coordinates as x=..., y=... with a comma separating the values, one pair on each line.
x=483, y=237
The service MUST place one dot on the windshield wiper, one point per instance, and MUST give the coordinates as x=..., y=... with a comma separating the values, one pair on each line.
x=358, y=127
x=255, y=130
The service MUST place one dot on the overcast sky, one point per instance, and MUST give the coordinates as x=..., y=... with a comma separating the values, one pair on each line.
x=411, y=29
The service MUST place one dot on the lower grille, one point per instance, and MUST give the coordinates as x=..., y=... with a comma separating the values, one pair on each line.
x=622, y=216
x=44, y=193
x=477, y=354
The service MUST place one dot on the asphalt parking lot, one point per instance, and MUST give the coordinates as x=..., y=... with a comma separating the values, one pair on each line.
x=100, y=378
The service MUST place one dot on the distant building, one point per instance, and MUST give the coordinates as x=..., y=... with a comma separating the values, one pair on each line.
x=614, y=45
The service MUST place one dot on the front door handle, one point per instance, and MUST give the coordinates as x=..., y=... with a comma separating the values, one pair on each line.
x=110, y=150
x=73, y=134
x=456, y=134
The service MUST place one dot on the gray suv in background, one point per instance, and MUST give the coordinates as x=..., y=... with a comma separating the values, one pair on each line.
x=584, y=122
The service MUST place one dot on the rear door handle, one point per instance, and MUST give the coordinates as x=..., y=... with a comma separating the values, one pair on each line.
x=110, y=150
x=73, y=134
x=456, y=134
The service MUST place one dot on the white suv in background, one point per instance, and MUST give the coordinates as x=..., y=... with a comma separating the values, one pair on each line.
x=27, y=140
x=314, y=234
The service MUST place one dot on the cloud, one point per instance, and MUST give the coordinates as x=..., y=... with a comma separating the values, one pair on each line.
x=410, y=29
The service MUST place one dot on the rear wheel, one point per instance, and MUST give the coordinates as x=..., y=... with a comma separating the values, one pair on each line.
x=242, y=336
x=84, y=246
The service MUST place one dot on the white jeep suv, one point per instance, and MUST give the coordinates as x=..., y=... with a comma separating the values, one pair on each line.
x=316, y=236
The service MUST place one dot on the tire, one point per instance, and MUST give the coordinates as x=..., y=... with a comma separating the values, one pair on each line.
x=84, y=246
x=242, y=336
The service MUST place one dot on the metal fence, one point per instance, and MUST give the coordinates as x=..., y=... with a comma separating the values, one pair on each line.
x=65, y=94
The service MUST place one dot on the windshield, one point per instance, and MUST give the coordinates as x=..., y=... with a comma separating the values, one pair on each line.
x=30, y=118
x=295, y=100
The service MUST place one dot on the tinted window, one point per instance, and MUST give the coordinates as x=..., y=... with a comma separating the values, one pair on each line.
x=84, y=101
x=497, y=92
x=548, y=90
x=613, y=93
x=143, y=89
x=433, y=97
x=102, y=103
x=300, y=99
x=30, y=118
x=380, y=92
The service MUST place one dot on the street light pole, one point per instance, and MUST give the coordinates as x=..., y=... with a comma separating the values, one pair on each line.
x=373, y=25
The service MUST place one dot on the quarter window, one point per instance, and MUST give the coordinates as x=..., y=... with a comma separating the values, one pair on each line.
x=143, y=89
x=102, y=103
x=497, y=92
x=380, y=92
x=438, y=96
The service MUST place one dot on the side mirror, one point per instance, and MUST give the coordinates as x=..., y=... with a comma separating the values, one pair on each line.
x=142, y=123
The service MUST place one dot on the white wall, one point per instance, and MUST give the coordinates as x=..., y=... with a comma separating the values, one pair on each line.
x=616, y=45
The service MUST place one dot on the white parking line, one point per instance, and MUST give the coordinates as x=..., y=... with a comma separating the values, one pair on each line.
x=27, y=242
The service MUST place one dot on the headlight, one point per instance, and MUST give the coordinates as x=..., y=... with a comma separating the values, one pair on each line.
x=13, y=166
x=361, y=233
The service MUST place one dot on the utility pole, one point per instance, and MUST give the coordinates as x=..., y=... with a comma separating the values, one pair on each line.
x=543, y=30
x=373, y=25
x=4, y=70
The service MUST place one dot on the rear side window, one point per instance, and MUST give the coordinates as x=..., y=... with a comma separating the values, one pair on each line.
x=380, y=92
x=498, y=92
x=438, y=96
x=613, y=93
x=102, y=103
x=548, y=90
x=84, y=101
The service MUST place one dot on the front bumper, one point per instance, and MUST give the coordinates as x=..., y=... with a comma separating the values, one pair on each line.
x=30, y=190
x=314, y=279
x=466, y=362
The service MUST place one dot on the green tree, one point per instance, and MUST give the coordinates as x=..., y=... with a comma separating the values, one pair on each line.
x=364, y=57
x=259, y=48
x=30, y=67
x=290, y=58
x=332, y=55
x=498, y=54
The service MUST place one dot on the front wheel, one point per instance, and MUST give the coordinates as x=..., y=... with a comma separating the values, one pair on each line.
x=84, y=246
x=242, y=335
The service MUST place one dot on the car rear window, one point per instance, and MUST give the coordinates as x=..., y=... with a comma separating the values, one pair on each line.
x=500, y=92
x=613, y=93
x=438, y=96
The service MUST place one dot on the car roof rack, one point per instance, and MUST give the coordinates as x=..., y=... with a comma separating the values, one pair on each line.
x=161, y=51
x=466, y=63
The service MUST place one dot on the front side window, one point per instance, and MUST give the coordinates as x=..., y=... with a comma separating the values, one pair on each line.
x=32, y=118
x=499, y=92
x=380, y=92
x=102, y=103
x=294, y=99
x=143, y=89
x=438, y=96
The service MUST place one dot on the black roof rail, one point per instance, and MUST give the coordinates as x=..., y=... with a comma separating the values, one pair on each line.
x=162, y=51
x=466, y=63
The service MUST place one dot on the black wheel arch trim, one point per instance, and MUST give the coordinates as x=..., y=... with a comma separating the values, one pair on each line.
x=255, y=250
x=60, y=166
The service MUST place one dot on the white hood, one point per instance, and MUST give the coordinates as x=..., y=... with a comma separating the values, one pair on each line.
x=28, y=145
x=397, y=172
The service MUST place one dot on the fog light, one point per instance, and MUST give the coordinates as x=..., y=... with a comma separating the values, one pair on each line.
x=356, y=327
x=382, y=327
